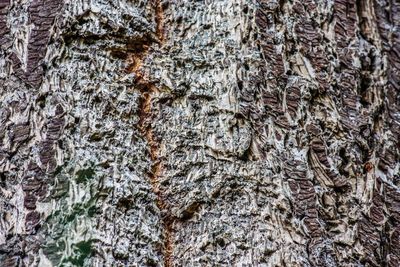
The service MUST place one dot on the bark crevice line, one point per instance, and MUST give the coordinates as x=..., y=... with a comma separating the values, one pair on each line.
x=148, y=90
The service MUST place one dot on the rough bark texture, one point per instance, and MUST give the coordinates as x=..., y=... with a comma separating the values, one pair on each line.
x=199, y=133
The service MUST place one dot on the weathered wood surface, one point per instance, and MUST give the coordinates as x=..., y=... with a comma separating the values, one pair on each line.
x=199, y=133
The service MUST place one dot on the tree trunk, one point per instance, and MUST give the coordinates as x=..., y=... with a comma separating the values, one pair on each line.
x=199, y=133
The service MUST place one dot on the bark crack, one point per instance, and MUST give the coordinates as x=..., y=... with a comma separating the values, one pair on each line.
x=146, y=113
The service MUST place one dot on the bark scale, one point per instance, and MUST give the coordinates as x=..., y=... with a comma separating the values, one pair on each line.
x=199, y=133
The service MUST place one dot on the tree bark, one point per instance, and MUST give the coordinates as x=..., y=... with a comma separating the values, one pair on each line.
x=199, y=133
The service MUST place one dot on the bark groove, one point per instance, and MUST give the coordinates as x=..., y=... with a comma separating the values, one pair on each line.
x=146, y=116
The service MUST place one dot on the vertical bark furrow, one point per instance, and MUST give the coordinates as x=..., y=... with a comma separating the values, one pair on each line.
x=146, y=117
